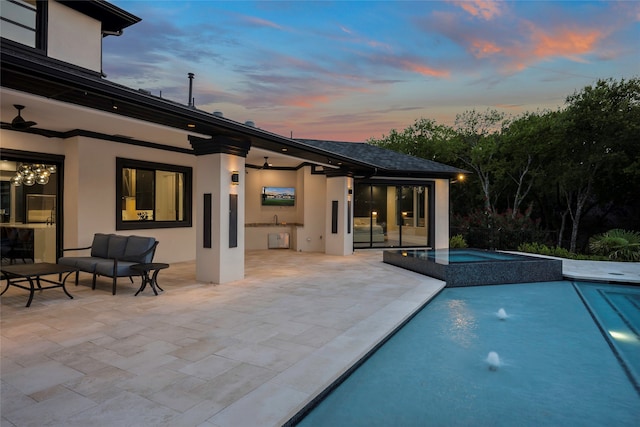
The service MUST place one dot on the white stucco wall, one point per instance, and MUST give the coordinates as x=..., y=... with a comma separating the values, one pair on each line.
x=74, y=38
x=339, y=243
x=89, y=204
x=255, y=179
x=91, y=167
x=442, y=213
x=29, y=142
x=220, y=263
x=311, y=238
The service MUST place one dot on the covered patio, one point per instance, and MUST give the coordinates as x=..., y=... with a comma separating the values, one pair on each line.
x=246, y=353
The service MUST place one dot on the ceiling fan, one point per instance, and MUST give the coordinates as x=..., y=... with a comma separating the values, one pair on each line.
x=19, y=122
x=266, y=164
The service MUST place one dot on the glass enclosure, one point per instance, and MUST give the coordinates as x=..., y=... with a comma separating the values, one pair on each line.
x=391, y=215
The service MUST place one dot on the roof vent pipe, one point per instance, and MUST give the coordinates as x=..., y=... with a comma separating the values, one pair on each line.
x=250, y=123
x=190, y=90
x=218, y=114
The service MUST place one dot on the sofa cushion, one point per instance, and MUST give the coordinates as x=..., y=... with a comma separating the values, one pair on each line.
x=100, y=245
x=136, y=246
x=105, y=268
x=117, y=245
x=85, y=263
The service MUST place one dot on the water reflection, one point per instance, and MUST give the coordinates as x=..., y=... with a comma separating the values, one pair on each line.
x=463, y=323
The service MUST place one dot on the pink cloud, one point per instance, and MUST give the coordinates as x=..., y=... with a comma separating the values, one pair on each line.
x=409, y=64
x=423, y=69
x=564, y=42
x=486, y=9
x=538, y=44
x=484, y=48
x=306, y=100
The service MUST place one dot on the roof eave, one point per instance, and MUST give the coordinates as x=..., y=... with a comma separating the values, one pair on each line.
x=112, y=17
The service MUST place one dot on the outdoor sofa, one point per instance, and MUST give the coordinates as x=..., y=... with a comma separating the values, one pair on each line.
x=112, y=255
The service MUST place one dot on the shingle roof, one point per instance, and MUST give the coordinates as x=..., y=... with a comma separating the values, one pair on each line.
x=382, y=158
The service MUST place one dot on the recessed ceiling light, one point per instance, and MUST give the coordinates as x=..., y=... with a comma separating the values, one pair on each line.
x=284, y=149
x=191, y=125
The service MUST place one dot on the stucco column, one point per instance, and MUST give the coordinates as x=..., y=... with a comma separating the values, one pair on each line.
x=441, y=228
x=339, y=218
x=219, y=263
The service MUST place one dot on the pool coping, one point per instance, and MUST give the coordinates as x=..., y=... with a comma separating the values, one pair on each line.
x=598, y=271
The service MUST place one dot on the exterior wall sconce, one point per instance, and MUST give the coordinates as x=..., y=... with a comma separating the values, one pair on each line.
x=235, y=178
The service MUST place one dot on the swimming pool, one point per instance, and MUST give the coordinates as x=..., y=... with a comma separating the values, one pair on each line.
x=469, y=267
x=555, y=367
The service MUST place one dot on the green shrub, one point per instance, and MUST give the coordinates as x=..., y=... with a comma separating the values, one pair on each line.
x=555, y=251
x=617, y=244
x=505, y=231
x=457, y=241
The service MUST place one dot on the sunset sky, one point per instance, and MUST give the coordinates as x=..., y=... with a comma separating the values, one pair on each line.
x=354, y=70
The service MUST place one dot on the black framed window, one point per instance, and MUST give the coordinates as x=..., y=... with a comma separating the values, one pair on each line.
x=24, y=22
x=152, y=195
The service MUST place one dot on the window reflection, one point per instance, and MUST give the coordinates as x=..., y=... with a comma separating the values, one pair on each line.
x=153, y=195
x=391, y=215
x=18, y=21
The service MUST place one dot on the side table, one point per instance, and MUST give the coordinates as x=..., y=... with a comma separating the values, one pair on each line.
x=149, y=273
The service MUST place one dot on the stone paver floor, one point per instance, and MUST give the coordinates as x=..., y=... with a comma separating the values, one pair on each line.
x=247, y=353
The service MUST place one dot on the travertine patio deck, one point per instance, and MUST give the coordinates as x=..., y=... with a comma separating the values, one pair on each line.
x=247, y=353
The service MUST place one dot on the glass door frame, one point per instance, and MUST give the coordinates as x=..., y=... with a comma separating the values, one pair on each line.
x=21, y=156
x=429, y=188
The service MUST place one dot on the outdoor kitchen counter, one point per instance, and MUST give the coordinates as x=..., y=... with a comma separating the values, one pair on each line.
x=257, y=234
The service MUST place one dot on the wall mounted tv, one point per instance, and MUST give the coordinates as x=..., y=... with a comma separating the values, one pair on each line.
x=278, y=196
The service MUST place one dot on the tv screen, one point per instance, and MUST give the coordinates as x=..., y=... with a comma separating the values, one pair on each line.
x=278, y=196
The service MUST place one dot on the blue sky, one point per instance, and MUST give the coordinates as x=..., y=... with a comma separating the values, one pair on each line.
x=353, y=70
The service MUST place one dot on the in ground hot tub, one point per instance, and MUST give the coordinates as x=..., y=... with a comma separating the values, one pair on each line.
x=469, y=267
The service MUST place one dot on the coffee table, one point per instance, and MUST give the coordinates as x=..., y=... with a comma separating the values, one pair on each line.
x=32, y=273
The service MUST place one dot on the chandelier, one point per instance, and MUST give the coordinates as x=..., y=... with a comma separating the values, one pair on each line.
x=32, y=173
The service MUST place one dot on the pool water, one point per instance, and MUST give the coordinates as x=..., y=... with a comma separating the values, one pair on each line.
x=447, y=256
x=616, y=310
x=555, y=366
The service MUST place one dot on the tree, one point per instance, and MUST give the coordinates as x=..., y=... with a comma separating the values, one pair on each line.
x=477, y=145
x=601, y=128
x=526, y=142
x=578, y=164
x=425, y=139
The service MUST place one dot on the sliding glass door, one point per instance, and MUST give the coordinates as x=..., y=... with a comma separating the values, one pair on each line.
x=392, y=215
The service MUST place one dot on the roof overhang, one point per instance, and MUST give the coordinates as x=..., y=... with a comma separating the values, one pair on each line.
x=88, y=105
x=112, y=17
